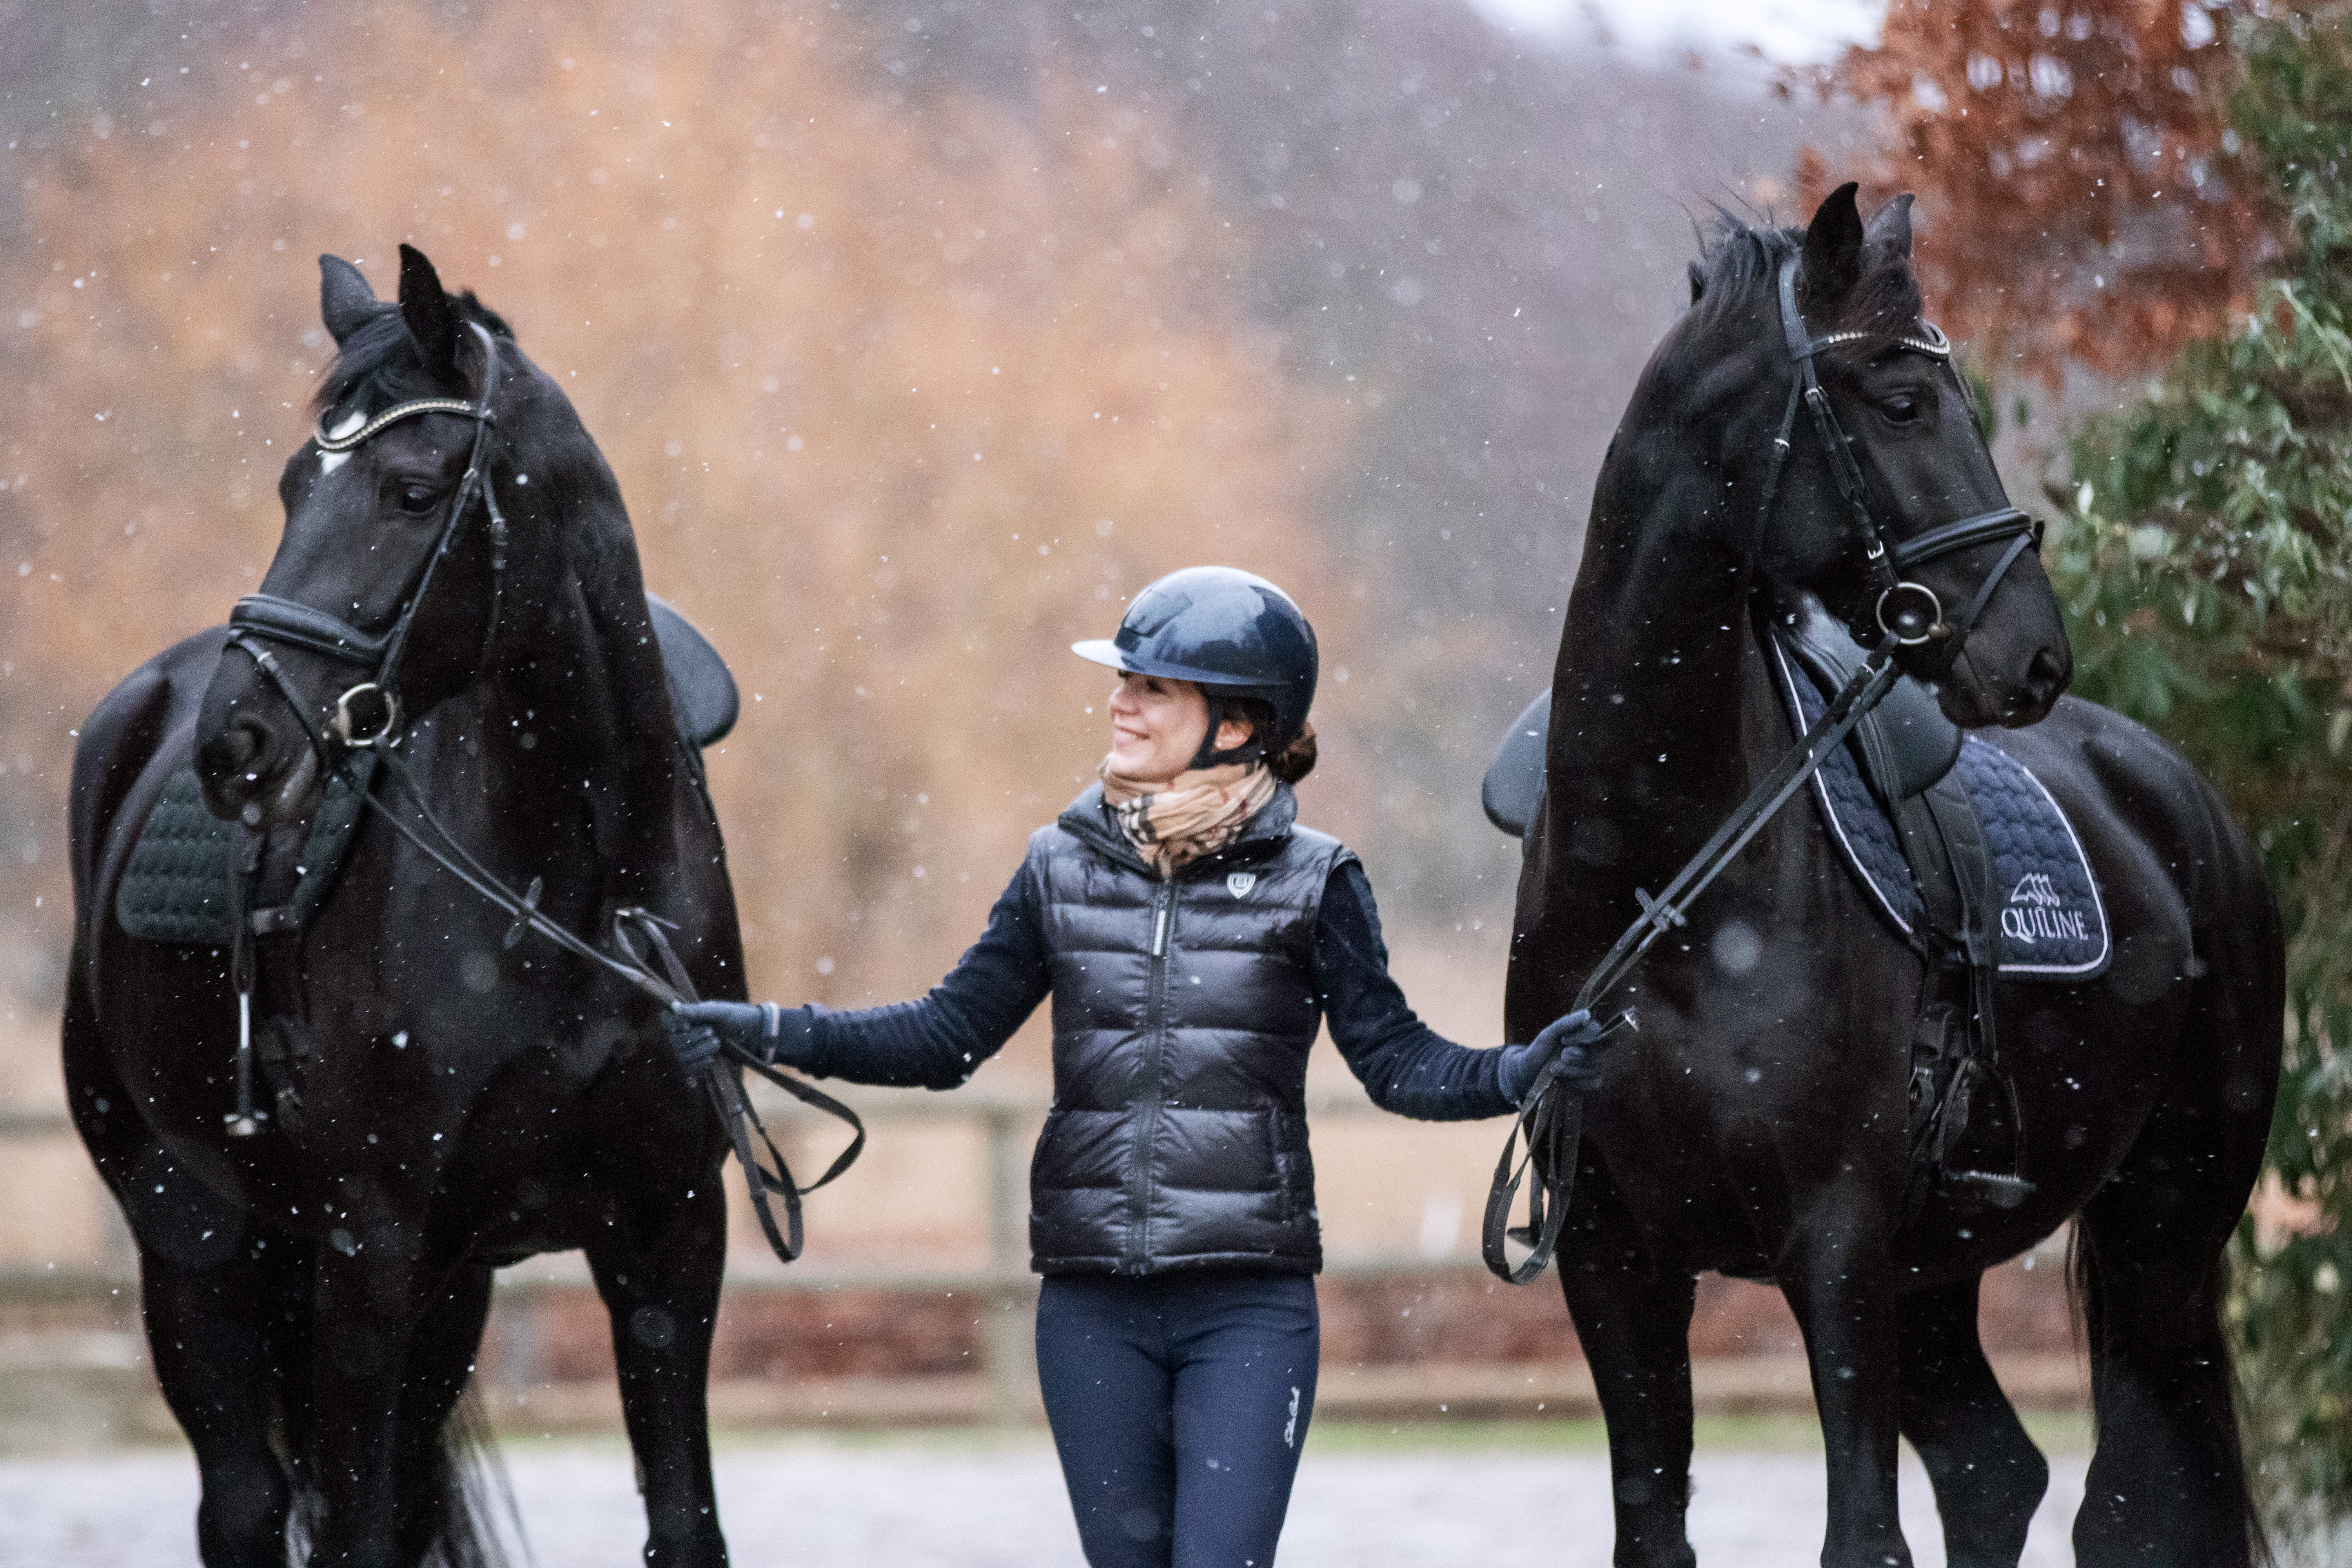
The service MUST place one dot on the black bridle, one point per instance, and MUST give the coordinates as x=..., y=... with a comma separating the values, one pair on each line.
x=259, y=619
x=1908, y=612
x=297, y=624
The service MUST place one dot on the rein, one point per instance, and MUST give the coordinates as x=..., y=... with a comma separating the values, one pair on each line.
x=260, y=618
x=1551, y=1118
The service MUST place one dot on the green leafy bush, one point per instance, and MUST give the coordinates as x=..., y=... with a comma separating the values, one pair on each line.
x=2207, y=561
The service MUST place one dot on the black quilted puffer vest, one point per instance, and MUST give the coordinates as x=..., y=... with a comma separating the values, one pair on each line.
x=1183, y=1012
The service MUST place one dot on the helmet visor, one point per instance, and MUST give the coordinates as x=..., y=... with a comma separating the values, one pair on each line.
x=1131, y=661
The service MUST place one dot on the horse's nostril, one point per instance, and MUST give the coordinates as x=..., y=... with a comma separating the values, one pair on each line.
x=2047, y=677
x=240, y=748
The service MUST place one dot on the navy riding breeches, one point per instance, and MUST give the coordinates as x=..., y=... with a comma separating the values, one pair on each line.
x=1178, y=1404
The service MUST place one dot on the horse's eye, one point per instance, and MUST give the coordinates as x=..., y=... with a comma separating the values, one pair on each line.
x=415, y=499
x=1902, y=408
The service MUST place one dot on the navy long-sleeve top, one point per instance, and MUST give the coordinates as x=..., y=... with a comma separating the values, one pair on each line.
x=938, y=1041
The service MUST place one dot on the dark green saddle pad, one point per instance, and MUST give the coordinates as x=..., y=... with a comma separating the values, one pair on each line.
x=175, y=885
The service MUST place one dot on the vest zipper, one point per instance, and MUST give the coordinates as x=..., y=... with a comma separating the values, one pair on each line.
x=1155, y=1043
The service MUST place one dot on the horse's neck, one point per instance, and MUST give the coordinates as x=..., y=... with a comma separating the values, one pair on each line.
x=563, y=743
x=1646, y=751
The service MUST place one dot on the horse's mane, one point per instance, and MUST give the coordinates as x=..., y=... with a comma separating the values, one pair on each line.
x=378, y=362
x=1739, y=263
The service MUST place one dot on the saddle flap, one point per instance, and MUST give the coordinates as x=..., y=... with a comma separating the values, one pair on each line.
x=1905, y=743
x=702, y=691
x=1513, y=787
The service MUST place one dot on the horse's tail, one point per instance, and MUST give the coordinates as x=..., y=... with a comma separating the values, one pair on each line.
x=464, y=1509
x=476, y=1506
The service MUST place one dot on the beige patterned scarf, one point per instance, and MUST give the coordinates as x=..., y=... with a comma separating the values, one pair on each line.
x=1193, y=814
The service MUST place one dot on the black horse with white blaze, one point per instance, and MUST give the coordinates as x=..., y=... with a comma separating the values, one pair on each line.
x=1758, y=1123
x=430, y=1091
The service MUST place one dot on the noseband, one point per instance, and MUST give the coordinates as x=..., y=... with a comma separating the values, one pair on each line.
x=1907, y=612
x=368, y=714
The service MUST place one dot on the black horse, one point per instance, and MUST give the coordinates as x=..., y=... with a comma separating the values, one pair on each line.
x=1756, y=1123
x=433, y=1097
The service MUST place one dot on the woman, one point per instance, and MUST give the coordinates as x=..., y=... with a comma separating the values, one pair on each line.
x=1193, y=937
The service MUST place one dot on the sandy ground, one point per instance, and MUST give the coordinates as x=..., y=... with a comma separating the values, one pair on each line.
x=978, y=1502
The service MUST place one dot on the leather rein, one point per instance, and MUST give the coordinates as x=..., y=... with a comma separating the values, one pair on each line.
x=368, y=718
x=1908, y=612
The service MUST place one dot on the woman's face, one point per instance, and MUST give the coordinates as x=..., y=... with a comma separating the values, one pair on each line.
x=1157, y=726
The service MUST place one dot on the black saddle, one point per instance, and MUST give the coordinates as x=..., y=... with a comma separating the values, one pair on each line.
x=1906, y=745
x=702, y=694
x=1513, y=787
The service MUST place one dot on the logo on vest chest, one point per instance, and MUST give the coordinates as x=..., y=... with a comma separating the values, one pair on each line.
x=1239, y=883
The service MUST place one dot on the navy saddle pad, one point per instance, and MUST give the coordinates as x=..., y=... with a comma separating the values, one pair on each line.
x=2053, y=923
x=175, y=886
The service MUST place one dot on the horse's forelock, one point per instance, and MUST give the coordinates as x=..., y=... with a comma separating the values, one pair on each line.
x=379, y=365
x=1740, y=266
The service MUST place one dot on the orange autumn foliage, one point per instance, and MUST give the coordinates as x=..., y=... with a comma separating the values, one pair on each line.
x=2080, y=201
x=903, y=398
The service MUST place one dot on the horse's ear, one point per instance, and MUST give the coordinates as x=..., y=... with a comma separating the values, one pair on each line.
x=345, y=300
x=1833, y=263
x=1697, y=283
x=1890, y=230
x=432, y=316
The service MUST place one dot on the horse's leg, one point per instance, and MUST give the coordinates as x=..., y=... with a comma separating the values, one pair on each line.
x=1634, y=1325
x=209, y=1333
x=205, y=1294
x=2167, y=1482
x=663, y=1298
x=369, y=1293
x=430, y=1493
x=1989, y=1475
x=1840, y=1282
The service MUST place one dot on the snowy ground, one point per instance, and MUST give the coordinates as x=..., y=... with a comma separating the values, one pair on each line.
x=982, y=1502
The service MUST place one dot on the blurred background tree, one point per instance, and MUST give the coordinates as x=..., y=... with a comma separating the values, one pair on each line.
x=2082, y=205
x=2206, y=552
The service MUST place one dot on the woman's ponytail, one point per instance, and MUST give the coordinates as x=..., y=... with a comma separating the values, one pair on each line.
x=1297, y=759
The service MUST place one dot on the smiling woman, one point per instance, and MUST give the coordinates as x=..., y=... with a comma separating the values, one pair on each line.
x=1193, y=938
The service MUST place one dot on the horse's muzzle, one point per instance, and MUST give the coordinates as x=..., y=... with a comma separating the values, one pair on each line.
x=1972, y=701
x=250, y=771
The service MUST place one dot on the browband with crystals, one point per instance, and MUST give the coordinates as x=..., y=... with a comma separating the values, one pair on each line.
x=1934, y=344
x=397, y=413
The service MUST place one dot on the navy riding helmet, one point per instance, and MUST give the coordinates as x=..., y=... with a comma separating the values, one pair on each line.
x=1230, y=633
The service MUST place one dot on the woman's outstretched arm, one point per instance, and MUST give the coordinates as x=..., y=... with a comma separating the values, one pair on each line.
x=939, y=1040
x=936, y=1042
x=1408, y=1067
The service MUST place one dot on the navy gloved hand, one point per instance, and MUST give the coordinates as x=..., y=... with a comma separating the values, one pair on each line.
x=1570, y=1037
x=695, y=1045
x=759, y=1032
